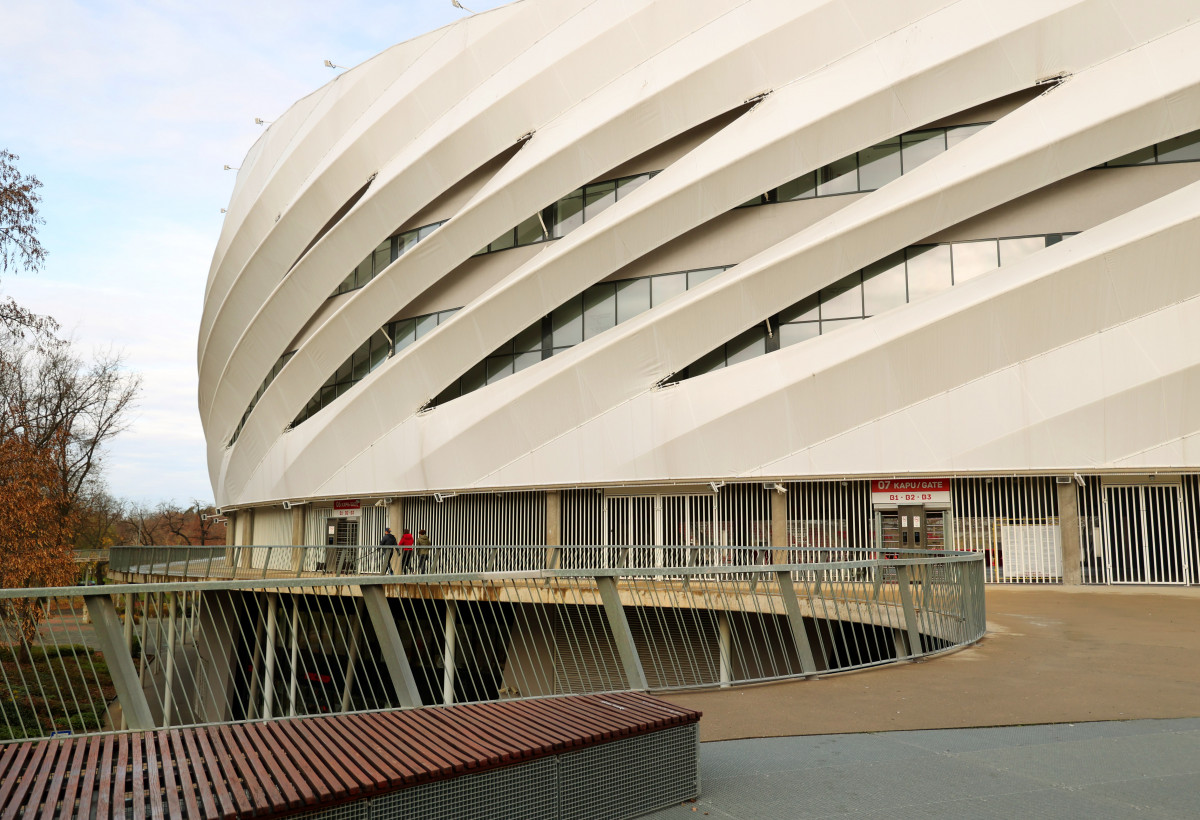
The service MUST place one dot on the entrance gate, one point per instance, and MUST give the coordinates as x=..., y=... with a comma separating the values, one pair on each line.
x=1144, y=542
x=658, y=530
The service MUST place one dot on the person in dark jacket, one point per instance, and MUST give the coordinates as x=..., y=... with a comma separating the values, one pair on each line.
x=423, y=549
x=388, y=540
x=406, y=548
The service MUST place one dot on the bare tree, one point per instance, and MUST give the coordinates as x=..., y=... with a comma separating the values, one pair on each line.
x=19, y=245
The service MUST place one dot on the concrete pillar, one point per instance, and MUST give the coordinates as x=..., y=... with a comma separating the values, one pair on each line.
x=230, y=537
x=247, y=537
x=553, y=528
x=1068, y=523
x=298, y=538
x=395, y=520
x=779, y=531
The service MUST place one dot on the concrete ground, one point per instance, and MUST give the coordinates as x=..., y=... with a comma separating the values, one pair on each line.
x=1090, y=771
x=1051, y=655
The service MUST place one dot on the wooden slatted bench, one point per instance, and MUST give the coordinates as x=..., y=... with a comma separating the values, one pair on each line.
x=611, y=755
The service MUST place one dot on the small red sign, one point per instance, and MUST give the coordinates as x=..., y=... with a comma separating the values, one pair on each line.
x=347, y=508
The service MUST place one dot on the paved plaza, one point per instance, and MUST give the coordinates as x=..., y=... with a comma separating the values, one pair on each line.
x=1080, y=702
x=1141, y=768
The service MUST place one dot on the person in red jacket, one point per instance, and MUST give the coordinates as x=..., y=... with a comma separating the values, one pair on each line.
x=406, y=547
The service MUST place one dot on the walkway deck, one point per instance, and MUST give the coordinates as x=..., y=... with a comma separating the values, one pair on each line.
x=1052, y=655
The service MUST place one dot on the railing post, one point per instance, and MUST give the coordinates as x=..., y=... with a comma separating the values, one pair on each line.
x=619, y=625
x=169, y=682
x=787, y=591
x=269, y=649
x=725, y=649
x=135, y=709
x=351, y=660
x=394, y=656
x=910, y=612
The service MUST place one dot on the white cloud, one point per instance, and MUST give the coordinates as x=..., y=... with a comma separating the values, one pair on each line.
x=127, y=111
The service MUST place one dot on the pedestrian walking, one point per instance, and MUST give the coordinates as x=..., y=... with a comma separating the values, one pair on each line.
x=388, y=540
x=423, y=550
x=406, y=551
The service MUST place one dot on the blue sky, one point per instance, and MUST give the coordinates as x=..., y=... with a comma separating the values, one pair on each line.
x=127, y=112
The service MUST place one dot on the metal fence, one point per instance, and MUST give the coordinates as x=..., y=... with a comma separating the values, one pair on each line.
x=87, y=659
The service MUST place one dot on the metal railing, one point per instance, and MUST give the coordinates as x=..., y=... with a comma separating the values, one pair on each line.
x=152, y=655
x=254, y=562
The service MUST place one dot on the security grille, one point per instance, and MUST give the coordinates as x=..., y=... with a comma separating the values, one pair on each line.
x=529, y=790
x=1013, y=521
x=1144, y=540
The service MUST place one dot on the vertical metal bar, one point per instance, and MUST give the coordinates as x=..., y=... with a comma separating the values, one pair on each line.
x=134, y=705
x=351, y=660
x=295, y=651
x=392, y=648
x=168, y=698
x=622, y=636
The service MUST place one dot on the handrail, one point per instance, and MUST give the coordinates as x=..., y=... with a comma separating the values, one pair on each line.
x=169, y=653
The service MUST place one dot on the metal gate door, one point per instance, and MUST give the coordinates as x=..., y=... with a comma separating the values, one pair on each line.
x=1144, y=542
x=658, y=530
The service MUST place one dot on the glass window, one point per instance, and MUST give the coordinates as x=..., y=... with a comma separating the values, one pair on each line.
x=748, y=345
x=839, y=177
x=404, y=333
x=1142, y=156
x=713, y=361
x=362, y=360
x=568, y=214
x=928, y=270
x=498, y=367
x=524, y=360
x=474, y=378
x=798, y=332
x=959, y=133
x=599, y=309
x=530, y=231
x=444, y=316
x=362, y=273
x=922, y=146
x=598, y=197
x=883, y=284
x=628, y=185
x=663, y=288
x=843, y=299
x=1181, y=149
x=346, y=284
x=343, y=372
x=837, y=324
x=503, y=241
x=1013, y=250
x=878, y=165
x=405, y=241
x=633, y=297
x=798, y=188
x=529, y=340
x=426, y=324
x=804, y=310
x=328, y=394
x=566, y=324
x=379, y=350
x=695, y=277
x=382, y=257
x=427, y=230
x=973, y=258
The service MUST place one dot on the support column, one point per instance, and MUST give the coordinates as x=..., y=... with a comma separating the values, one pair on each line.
x=294, y=655
x=351, y=661
x=298, y=538
x=247, y=554
x=395, y=515
x=448, y=652
x=169, y=683
x=392, y=648
x=1068, y=525
x=615, y=611
x=724, y=645
x=230, y=537
x=910, y=613
x=135, y=709
x=553, y=529
x=787, y=591
x=269, y=662
x=779, y=531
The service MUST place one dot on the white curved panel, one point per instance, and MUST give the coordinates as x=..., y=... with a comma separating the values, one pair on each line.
x=612, y=79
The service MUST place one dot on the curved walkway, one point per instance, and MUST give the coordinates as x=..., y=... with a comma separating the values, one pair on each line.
x=1052, y=655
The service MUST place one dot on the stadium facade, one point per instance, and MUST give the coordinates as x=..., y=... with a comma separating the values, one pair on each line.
x=766, y=273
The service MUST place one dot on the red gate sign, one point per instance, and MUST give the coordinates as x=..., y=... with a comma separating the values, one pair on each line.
x=349, y=508
x=910, y=491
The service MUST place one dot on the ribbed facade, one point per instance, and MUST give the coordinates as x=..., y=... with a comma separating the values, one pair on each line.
x=602, y=243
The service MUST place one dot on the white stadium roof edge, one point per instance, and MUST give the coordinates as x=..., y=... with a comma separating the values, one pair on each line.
x=1072, y=356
